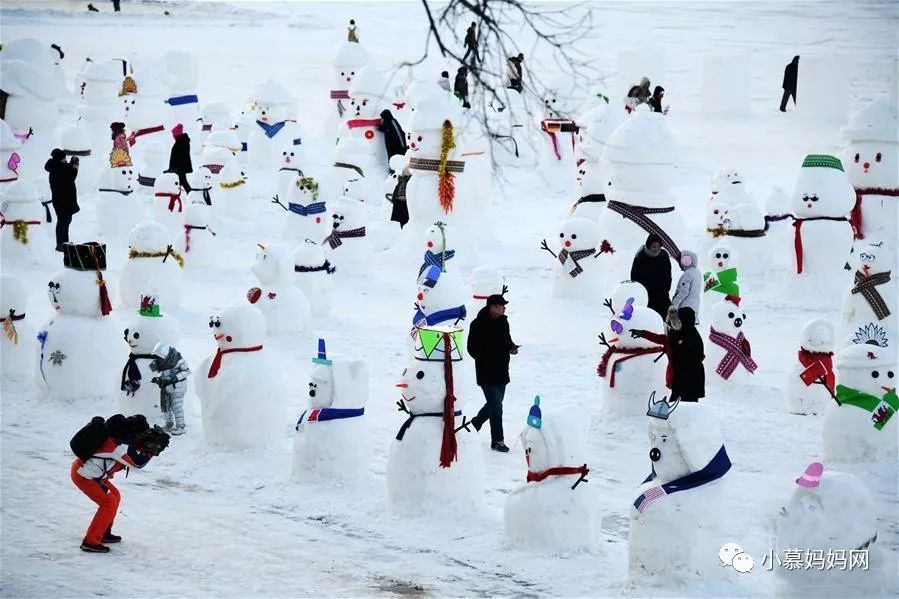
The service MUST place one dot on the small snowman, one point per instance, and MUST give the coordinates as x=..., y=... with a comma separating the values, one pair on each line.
x=306, y=214
x=728, y=191
x=215, y=116
x=363, y=120
x=811, y=382
x=440, y=301
x=674, y=518
x=17, y=337
x=233, y=194
x=331, y=441
x=118, y=210
x=593, y=178
x=200, y=187
x=436, y=457
x=283, y=304
x=575, y=273
x=24, y=241
x=100, y=101
x=168, y=203
x=870, y=301
x=239, y=388
x=154, y=160
x=275, y=125
x=554, y=510
x=10, y=157
x=198, y=241
x=350, y=163
x=150, y=326
x=313, y=274
x=592, y=185
x=220, y=149
x=729, y=349
x=347, y=245
x=625, y=292
x=292, y=156
x=154, y=267
x=351, y=59
x=437, y=251
x=559, y=133
x=722, y=278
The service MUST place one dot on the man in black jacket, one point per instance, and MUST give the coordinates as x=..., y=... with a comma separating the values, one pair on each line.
x=490, y=344
x=394, y=136
x=791, y=74
x=460, y=86
x=652, y=269
x=471, y=43
x=63, y=192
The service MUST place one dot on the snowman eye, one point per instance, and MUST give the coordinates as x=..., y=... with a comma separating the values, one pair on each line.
x=574, y=236
x=343, y=73
x=856, y=157
x=420, y=375
x=283, y=153
x=730, y=314
x=419, y=138
x=889, y=374
x=716, y=211
x=724, y=256
x=291, y=153
x=561, y=235
x=365, y=102
x=874, y=374
x=718, y=255
x=136, y=335
x=877, y=158
x=124, y=172
x=813, y=198
x=352, y=72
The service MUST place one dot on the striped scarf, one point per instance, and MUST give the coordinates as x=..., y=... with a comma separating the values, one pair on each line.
x=737, y=351
x=575, y=256
x=433, y=165
x=867, y=286
x=335, y=238
x=637, y=215
x=434, y=259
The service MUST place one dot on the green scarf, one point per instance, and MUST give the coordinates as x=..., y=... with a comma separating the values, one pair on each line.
x=882, y=409
x=723, y=282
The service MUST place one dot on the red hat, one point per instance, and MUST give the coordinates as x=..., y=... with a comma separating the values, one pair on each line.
x=732, y=298
x=177, y=130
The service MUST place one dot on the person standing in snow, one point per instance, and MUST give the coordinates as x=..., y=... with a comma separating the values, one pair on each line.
x=652, y=269
x=638, y=94
x=490, y=344
x=351, y=32
x=179, y=159
x=686, y=349
x=63, y=192
x=655, y=102
x=394, y=136
x=471, y=43
x=460, y=88
x=171, y=377
x=791, y=76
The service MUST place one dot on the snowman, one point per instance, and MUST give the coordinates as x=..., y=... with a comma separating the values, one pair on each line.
x=80, y=345
x=233, y=194
x=675, y=516
x=331, y=441
x=822, y=238
x=220, y=149
x=197, y=243
x=153, y=268
x=575, y=271
x=168, y=205
x=100, y=102
x=811, y=381
x=75, y=141
x=592, y=174
x=591, y=183
x=436, y=458
x=831, y=513
x=554, y=510
x=870, y=302
x=347, y=245
x=559, y=134
x=306, y=214
x=17, y=338
x=350, y=60
x=859, y=425
x=632, y=365
x=639, y=155
x=625, y=292
x=486, y=280
x=154, y=160
x=181, y=75
x=728, y=191
x=292, y=156
x=440, y=302
x=144, y=111
x=313, y=275
x=24, y=242
x=275, y=126
x=215, y=116
x=362, y=120
x=238, y=387
x=728, y=349
x=350, y=163
x=200, y=187
x=283, y=304
x=30, y=109
x=10, y=157
x=437, y=252
x=722, y=279
x=872, y=156
x=118, y=210
x=150, y=326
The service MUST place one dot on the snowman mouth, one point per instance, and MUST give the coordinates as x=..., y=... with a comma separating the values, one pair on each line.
x=866, y=270
x=132, y=345
x=403, y=395
x=219, y=337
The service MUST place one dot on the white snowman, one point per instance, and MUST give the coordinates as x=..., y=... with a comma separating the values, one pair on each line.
x=275, y=125
x=728, y=350
x=810, y=384
x=872, y=159
x=17, y=336
x=154, y=160
x=241, y=400
x=728, y=191
x=559, y=134
x=101, y=82
x=220, y=150
x=351, y=58
x=137, y=395
x=347, y=245
x=576, y=271
x=215, y=116
x=625, y=292
x=10, y=156
x=198, y=241
x=201, y=190
x=118, y=209
x=306, y=213
x=168, y=204
x=75, y=141
x=313, y=274
x=435, y=459
x=79, y=347
x=144, y=110
x=486, y=280
x=723, y=278
x=24, y=241
x=674, y=519
x=283, y=304
x=31, y=111
x=233, y=194
x=331, y=441
x=292, y=159
x=554, y=510
x=181, y=74
x=440, y=301
x=154, y=267
x=870, y=301
x=362, y=119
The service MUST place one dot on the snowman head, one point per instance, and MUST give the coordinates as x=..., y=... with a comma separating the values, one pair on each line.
x=353, y=189
x=274, y=103
x=217, y=114
x=632, y=317
x=487, y=281
x=74, y=138
x=431, y=122
x=872, y=156
x=231, y=177
x=309, y=254
x=640, y=154
x=722, y=257
x=292, y=155
x=716, y=214
x=350, y=60
x=201, y=178
x=321, y=386
x=13, y=296
x=744, y=217
x=423, y=386
x=554, y=439
x=626, y=290
x=149, y=327
x=167, y=183
x=238, y=326
x=149, y=236
x=366, y=93
x=578, y=233
x=347, y=215
x=101, y=82
x=725, y=178
x=867, y=368
x=592, y=178
x=822, y=188
x=559, y=98
x=305, y=191
x=144, y=109
x=728, y=318
x=435, y=238
x=438, y=291
x=872, y=259
x=223, y=138
x=817, y=335
x=684, y=438
x=74, y=292
x=603, y=122
x=119, y=178
x=273, y=265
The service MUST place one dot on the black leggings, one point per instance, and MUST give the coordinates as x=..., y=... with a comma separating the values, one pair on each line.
x=63, y=220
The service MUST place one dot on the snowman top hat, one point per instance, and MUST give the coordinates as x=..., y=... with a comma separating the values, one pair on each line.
x=322, y=357
x=811, y=478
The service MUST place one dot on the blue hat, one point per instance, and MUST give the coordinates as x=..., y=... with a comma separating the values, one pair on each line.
x=535, y=417
x=322, y=357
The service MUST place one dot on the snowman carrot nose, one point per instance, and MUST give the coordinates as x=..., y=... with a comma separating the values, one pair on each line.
x=402, y=386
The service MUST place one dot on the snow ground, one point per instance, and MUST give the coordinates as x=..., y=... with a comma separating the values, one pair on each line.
x=200, y=523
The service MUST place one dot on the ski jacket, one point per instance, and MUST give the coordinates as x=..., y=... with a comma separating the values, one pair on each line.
x=688, y=287
x=110, y=458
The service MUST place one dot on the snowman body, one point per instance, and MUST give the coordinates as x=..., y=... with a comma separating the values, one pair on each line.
x=168, y=204
x=576, y=271
x=283, y=304
x=314, y=275
x=233, y=193
x=118, y=207
x=17, y=336
x=869, y=304
x=731, y=365
x=812, y=374
x=198, y=241
x=153, y=268
x=142, y=333
x=24, y=241
x=348, y=246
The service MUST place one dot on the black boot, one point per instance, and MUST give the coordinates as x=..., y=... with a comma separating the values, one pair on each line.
x=499, y=446
x=98, y=548
x=108, y=537
x=92, y=8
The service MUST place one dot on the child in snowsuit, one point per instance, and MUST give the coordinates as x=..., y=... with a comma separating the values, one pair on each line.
x=172, y=376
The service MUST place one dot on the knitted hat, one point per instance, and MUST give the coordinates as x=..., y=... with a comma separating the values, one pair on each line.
x=811, y=478
x=822, y=161
x=177, y=130
x=535, y=417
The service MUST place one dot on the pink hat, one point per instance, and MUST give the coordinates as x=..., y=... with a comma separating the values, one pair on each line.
x=177, y=130
x=811, y=478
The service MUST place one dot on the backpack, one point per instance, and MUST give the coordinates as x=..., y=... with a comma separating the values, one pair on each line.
x=88, y=440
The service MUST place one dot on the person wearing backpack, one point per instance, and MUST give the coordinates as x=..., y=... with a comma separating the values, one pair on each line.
x=104, y=447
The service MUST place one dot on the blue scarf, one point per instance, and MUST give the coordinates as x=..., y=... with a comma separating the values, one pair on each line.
x=308, y=210
x=454, y=314
x=714, y=470
x=271, y=130
x=432, y=259
x=181, y=100
x=322, y=414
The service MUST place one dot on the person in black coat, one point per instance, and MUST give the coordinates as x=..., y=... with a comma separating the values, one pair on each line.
x=490, y=344
x=394, y=136
x=655, y=102
x=686, y=352
x=471, y=43
x=63, y=192
x=460, y=87
x=791, y=75
x=179, y=159
x=652, y=269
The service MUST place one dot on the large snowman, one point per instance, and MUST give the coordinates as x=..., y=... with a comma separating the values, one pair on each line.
x=80, y=345
x=154, y=267
x=558, y=155
x=283, y=304
x=100, y=102
x=554, y=510
x=869, y=303
x=24, y=241
x=435, y=460
x=17, y=333
x=239, y=388
x=137, y=395
x=331, y=441
x=811, y=381
x=276, y=125
x=181, y=74
x=592, y=176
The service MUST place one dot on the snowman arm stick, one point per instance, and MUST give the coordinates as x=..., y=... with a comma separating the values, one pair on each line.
x=277, y=200
x=465, y=423
x=401, y=407
x=582, y=478
x=822, y=381
x=543, y=246
x=608, y=304
x=602, y=340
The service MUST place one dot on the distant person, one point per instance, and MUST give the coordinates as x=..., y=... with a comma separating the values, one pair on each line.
x=638, y=94
x=460, y=87
x=351, y=32
x=444, y=81
x=394, y=136
x=471, y=43
x=655, y=102
x=63, y=192
x=652, y=269
x=514, y=72
x=791, y=75
x=179, y=159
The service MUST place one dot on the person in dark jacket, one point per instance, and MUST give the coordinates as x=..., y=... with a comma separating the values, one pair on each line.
x=655, y=102
x=652, y=269
x=471, y=43
x=63, y=192
x=490, y=344
x=179, y=159
x=791, y=75
x=686, y=352
x=460, y=87
x=394, y=136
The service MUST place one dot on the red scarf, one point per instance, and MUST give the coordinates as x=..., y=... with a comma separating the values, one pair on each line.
x=629, y=354
x=173, y=197
x=808, y=358
x=353, y=123
x=448, y=444
x=797, y=236
x=105, y=304
x=217, y=360
x=132, y=139
x=536, y=477
x=855, y=217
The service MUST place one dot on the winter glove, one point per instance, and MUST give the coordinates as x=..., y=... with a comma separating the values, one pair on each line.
x=156, y=380
x=637, y=333
x=673, y=320
x=153, y=441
